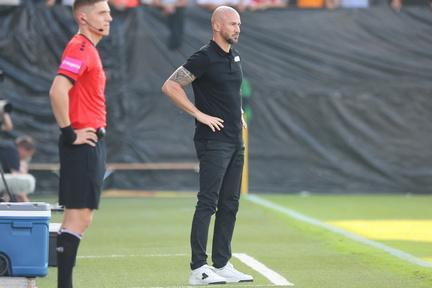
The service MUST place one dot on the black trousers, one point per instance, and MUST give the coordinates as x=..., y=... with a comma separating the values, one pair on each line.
x=221, y=167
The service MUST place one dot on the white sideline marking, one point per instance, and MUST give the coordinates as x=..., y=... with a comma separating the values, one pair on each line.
x=301, y=217
x=212, y=285
x=274, y=277
x=131, y=255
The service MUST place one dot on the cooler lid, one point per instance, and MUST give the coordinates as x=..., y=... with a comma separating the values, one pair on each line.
x=25, y=209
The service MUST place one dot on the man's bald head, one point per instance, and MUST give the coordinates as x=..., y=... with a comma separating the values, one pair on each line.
x=220, y=14
x=226, y=26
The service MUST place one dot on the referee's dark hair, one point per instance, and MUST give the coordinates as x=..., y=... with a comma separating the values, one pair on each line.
x=81, y=3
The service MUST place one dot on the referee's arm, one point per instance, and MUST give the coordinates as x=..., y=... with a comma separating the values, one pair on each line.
x=59, y=96
x=60, y=100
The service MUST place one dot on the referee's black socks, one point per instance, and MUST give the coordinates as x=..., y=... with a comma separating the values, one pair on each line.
x=67, y=247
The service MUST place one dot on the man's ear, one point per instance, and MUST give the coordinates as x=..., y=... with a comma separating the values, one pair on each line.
x=216, y=26
x=81, y=18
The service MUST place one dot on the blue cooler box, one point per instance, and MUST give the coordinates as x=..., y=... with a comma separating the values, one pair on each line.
x=24, y=234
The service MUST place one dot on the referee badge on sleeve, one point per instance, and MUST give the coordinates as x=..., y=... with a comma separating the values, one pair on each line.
x=236, y=58
x=71, y=64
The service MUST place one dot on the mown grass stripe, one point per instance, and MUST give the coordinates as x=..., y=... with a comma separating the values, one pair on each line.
x=395, y=252
x=131, y=255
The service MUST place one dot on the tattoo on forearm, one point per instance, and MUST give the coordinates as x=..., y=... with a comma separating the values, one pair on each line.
x=182, y=77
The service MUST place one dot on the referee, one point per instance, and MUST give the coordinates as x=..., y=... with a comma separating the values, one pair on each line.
x=216, y=77
x=78, y=102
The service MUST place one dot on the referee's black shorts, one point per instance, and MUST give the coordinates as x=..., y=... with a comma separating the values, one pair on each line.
x=82, y=170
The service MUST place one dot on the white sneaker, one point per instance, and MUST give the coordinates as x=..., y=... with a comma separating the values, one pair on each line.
x=231, y=275
x=205, y=275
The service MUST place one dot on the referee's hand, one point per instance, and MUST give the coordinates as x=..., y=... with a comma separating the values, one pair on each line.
x=86, y=136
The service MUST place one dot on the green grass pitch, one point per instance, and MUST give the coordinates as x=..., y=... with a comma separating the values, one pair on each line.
x=144, y=242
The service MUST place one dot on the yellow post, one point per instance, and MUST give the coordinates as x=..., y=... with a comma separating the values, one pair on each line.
x=245, y=178
x=246, y=91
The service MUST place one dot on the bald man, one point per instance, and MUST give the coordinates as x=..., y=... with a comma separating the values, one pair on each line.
x=216, y=76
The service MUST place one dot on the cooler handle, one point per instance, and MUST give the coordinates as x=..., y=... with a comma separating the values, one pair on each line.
x=22, y=224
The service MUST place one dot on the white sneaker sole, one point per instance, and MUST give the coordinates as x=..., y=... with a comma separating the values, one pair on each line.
x=204, y=283
x=239, y=281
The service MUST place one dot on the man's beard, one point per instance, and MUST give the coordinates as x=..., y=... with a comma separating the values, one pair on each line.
x=231, y=40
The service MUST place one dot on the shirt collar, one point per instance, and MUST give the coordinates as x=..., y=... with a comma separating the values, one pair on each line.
x=218, y=49
x=84, y=36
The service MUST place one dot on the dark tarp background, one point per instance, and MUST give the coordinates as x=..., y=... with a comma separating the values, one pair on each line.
x=341, y=99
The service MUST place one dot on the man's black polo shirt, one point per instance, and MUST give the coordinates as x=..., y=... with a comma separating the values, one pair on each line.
x=217, y=91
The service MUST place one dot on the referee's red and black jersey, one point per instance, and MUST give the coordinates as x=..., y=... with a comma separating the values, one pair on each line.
x=217, y=91
x=82, y=65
